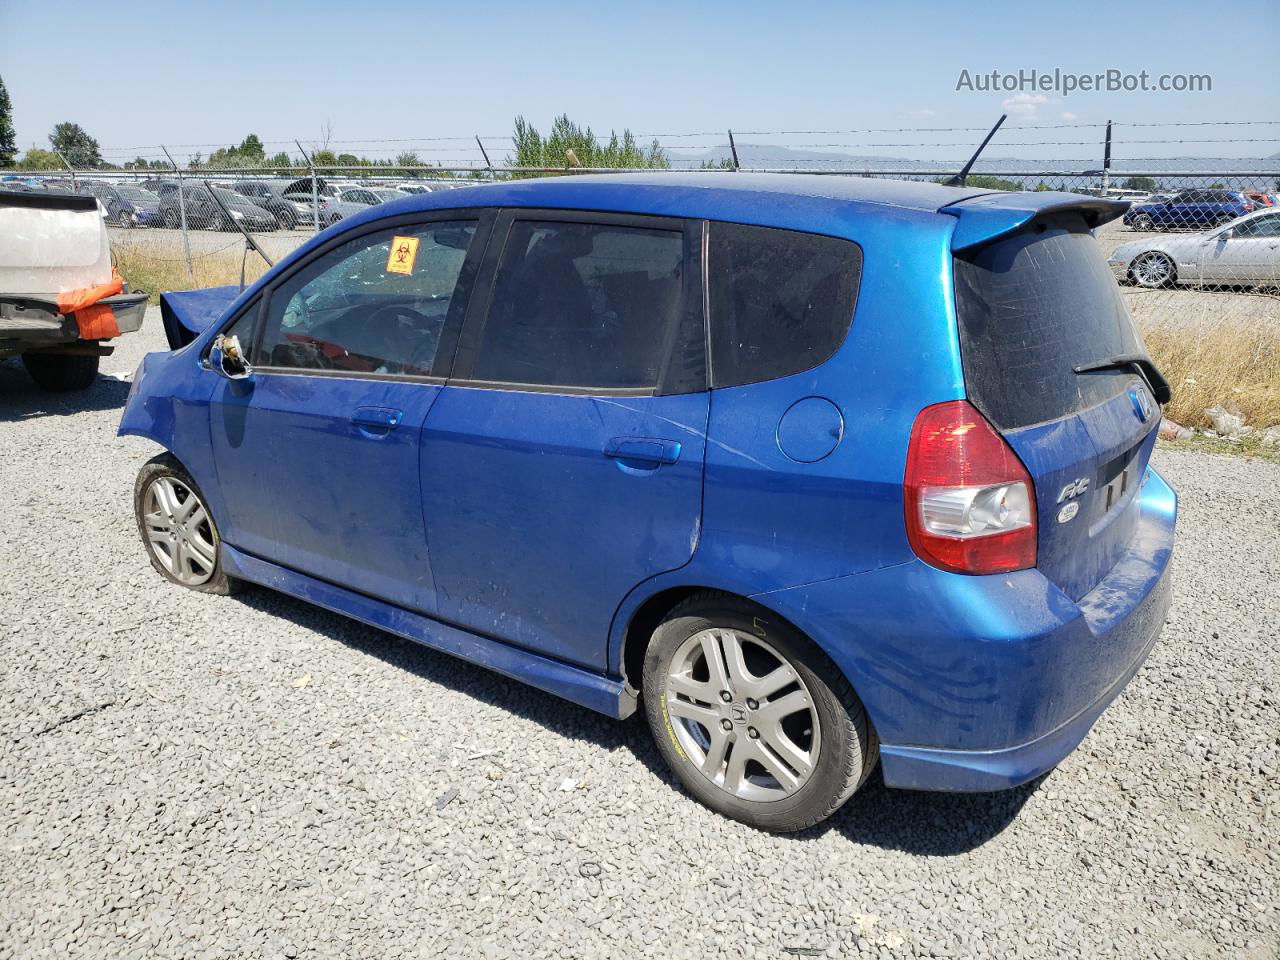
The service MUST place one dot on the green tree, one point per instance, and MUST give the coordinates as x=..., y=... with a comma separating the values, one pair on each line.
x=37, y=159
x=73, y=142
x=8, y=148
x=990, y=183
x=324, y=158
x=251, y=149
x=281, y=159
x=1140, y=183
x=568, y=145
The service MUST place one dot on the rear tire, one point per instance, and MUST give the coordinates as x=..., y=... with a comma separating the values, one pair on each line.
x=817, y=738
x=1144, y=223
x=62, y=372
x=162, y=483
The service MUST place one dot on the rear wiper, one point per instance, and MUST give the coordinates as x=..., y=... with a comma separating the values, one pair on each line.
x=1140, y=365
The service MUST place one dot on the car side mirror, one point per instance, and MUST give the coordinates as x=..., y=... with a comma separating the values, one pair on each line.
x=227, y=358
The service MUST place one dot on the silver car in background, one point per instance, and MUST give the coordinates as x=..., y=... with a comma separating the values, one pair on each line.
x=1245, y=252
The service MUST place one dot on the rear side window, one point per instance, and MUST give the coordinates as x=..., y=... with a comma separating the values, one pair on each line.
x=583, y=305
x=1031, y=307
x=781, y=302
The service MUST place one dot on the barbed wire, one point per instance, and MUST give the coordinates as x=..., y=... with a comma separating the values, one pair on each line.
x=156, y=151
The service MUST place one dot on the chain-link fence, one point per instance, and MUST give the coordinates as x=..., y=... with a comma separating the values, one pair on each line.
x=1197, y=253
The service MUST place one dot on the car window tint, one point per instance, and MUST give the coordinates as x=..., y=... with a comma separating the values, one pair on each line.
x=582, y=305
x=375, y=304
x=780, y=301
x=1268, y=226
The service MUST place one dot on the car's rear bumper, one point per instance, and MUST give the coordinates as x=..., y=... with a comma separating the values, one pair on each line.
x=982, y=683
x=927, y=768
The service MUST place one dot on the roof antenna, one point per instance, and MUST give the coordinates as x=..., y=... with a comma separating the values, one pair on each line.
x=959, y=179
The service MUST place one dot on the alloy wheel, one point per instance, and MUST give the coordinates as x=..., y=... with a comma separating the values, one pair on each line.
x=742, y=714
x=1153, y=270
x=179, y=533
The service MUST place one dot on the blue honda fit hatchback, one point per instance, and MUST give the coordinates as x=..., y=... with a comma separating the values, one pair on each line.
x=821, y=471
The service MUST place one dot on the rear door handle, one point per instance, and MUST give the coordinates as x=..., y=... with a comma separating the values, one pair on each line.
x=376, y=421
x=645, y=449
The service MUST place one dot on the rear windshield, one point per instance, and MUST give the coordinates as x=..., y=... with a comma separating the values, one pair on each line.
x=1031, y=307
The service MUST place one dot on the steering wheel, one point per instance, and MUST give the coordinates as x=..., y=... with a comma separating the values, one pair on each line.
x=425, y=343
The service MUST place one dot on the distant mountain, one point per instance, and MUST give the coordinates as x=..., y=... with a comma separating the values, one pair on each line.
x=768, y=155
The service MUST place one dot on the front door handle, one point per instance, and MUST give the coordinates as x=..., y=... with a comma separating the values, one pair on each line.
x=376, y=421
x=644, y=449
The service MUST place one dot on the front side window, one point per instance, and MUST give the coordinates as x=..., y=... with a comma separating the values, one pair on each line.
x=1268, y=226
x=376, y=304
x=583, y=305
x=781, y=302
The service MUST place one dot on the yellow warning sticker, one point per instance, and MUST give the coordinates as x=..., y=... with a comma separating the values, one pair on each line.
x=404, y=250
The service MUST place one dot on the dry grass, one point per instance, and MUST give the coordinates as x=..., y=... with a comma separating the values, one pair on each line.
x=1233, y=362
x=150, y=274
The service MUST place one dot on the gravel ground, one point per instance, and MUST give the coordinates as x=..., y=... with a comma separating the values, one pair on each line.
x=192, y=776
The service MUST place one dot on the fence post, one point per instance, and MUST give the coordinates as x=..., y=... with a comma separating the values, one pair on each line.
x=182, y=212
x=485, y=153
x=733, y=149
x=70, y=169
x=1106, y=163
x=315, y=191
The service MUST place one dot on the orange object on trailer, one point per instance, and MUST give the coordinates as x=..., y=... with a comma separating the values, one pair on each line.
x=95, y=320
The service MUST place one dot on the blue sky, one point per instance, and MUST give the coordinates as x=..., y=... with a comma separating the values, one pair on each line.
x=147, y=73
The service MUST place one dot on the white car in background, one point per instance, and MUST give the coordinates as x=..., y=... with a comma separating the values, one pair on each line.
x=1245, y=251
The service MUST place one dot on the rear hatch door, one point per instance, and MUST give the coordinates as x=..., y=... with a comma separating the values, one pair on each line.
x=1034, y=306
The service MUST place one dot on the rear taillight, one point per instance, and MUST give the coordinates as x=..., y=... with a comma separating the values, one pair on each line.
x=970, y=502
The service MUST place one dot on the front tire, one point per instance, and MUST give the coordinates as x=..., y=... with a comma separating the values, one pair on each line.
x=62, y=372
x=755, y=720
x=1153, y=270
x=1144, y=223
x=177, y=528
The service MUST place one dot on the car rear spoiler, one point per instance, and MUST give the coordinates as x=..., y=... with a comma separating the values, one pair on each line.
x=188, y=314
x=993, y=215
x=47, y=200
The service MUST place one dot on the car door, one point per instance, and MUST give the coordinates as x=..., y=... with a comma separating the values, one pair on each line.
x=562, y=463
x=1247, y=253
x=318, y=453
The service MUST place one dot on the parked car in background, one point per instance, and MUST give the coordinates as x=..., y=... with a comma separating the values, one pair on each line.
x=333, y=209
x=1189, y=208
x=354, y=200
x=1260, y=198
x=290, y=209
x=61, y=303
x=371, y=196
x=127, y=205
x=204, y=214
x=652, y=454
x=1245, y=252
